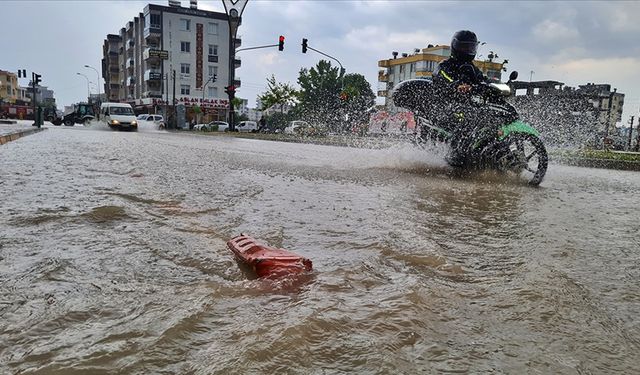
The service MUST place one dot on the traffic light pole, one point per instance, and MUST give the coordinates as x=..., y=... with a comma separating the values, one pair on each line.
x=35, y=113
x=214, y=78
x=338, y=61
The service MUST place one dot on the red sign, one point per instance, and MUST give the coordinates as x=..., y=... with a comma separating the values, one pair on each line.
x=199, y=54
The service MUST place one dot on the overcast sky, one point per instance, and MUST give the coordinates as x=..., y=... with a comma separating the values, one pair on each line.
x=574, y=42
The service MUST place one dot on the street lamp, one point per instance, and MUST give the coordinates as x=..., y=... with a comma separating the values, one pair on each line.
x=234, y=9
x=88, y=91
x=98, y=82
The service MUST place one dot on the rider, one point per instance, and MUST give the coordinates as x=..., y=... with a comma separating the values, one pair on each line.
x=454, y=79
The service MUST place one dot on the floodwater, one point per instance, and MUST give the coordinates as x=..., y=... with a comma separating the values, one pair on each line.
x=113, y=260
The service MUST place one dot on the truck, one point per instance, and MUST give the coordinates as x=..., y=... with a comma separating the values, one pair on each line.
x=81, y=113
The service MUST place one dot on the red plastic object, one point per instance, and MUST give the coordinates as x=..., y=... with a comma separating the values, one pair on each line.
x=265, y=260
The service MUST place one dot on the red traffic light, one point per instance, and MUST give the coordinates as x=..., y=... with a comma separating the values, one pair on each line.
x=281, y=43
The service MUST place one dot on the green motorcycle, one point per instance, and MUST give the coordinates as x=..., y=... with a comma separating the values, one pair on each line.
x=500, y=141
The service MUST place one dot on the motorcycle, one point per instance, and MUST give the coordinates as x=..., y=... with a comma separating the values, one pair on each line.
x=500, y=140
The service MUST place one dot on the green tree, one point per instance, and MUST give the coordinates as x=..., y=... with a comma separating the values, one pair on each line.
x=358, y=98
x=277, y=94
x=319, y=95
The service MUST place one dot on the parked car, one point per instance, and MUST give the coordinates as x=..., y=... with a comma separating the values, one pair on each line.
x=293, y=125
x=142, y=117
x=247, y=127
x=157, y=120
x=221, y=126
x=201, y=127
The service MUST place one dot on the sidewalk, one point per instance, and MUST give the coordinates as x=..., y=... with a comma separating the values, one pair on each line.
x=11, y=132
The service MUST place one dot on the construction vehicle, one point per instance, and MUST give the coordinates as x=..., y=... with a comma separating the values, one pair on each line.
x=81, y=113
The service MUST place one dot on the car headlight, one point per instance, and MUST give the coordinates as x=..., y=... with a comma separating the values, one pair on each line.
x=134, y=122
x=115, y=122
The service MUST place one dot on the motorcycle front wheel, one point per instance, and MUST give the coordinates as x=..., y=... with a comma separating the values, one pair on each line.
x=524, y=155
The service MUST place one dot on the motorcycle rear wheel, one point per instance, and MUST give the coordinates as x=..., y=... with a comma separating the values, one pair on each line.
x=524, y=155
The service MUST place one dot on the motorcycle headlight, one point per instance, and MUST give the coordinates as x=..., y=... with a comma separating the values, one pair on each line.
x=115, y=122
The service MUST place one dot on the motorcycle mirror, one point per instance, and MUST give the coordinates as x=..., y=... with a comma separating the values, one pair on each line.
x=513, y=76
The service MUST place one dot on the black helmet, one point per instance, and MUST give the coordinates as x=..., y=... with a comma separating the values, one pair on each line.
x=464, y=45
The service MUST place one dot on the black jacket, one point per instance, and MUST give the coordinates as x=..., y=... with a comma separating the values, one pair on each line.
x=451, y=73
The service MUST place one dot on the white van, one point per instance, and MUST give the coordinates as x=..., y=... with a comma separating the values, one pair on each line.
x=118, y=116
x=247, y=126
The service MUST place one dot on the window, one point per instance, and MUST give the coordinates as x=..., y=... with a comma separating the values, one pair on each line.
x=213, y=92
x=213, y=50
x=185, y=47
x=212, y=28
x=185, y=68
x=154, y=20
x=185, y=90
x=185, y=24
x=213, y=70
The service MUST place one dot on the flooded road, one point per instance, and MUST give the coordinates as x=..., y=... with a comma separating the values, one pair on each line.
x=112, y=260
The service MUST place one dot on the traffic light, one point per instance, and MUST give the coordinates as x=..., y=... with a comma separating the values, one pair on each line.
x=36, y=79
x=231, y=91
x=281, y=43
x=215, y=77
x=22, y=73
x=304, y=45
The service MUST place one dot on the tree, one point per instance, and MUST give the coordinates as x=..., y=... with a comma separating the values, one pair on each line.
x=277, y=94
x=358, y=98
x=319, y=95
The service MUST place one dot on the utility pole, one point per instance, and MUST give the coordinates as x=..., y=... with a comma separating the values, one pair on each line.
x=175, y=120
x=630, y=132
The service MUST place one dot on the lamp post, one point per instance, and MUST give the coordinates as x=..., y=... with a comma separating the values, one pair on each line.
x=97, y=84
x=234, y=9
x=88, y=90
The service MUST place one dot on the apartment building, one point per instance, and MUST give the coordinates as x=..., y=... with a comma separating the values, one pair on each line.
x=166, y=47
x=421, y=64
x=8, y=86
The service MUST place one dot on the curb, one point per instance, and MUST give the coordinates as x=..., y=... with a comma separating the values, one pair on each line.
x=18, y=134
x=623, y=165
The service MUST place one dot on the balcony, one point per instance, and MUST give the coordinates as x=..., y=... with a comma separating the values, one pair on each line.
x=382, y=93
x=384, y=63
x=152, y=94
x=152, y=32
x=213, y=58
x=237, y=63
x=383, y=76
x=130, y=43
x=152, y=75
x=154, y=54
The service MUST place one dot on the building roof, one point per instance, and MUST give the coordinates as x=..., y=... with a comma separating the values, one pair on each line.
x=535, y=84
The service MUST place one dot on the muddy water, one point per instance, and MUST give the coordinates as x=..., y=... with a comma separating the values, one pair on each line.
x=112, y=260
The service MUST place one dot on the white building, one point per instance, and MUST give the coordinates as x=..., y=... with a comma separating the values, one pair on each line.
x=166, y=46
